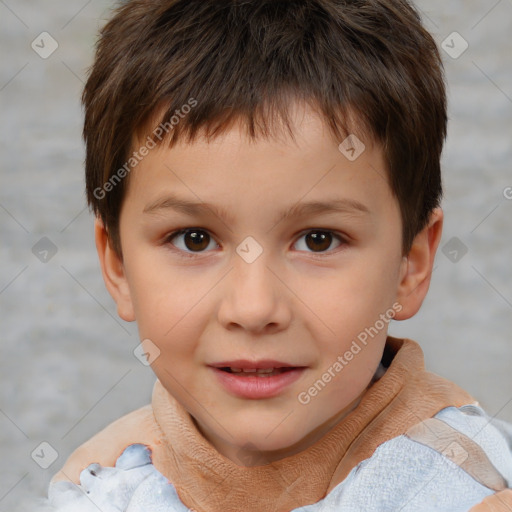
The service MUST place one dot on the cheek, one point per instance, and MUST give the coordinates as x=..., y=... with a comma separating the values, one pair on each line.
x=171, y=311
x=161, y=294
x=348, y=300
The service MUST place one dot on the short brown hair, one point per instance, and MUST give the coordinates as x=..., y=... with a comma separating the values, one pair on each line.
x=246, y=60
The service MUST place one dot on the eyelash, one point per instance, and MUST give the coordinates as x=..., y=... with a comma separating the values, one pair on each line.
x=190, y=254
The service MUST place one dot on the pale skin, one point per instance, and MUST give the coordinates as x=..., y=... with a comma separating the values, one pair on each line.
x=293, y=303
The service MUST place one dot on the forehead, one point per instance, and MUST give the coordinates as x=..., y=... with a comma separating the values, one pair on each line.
x=281, y=122
x=236, y=172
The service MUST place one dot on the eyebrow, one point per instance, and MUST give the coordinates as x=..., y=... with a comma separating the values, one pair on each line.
x=193, y=208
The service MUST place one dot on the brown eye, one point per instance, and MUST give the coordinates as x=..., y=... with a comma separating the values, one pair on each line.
x=318, y=241
x=196, y=240
x=191, y=240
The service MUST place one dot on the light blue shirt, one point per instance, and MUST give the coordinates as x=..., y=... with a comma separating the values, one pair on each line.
x=402, y=475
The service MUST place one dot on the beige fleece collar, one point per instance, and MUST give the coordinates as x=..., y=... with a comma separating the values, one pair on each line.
x=206, y=481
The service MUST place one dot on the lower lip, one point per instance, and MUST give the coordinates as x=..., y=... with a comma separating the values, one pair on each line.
x=257, y=387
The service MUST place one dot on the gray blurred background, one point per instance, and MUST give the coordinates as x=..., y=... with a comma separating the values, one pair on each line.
x=67, y=367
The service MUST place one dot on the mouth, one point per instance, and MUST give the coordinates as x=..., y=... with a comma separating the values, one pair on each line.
x=261, y=368
x=256, y=379
x=257, y=372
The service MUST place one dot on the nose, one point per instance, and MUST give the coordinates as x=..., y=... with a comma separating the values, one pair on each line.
x=254, y=298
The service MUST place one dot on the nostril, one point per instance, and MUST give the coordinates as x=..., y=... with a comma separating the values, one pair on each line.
x=92, y=472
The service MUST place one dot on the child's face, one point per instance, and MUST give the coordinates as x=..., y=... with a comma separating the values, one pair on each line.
x=204, y=302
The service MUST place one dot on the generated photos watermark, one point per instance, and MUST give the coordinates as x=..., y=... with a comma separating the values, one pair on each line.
x=143, y=151
x=361, y=340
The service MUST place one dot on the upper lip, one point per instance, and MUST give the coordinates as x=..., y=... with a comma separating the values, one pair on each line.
x=244, y=364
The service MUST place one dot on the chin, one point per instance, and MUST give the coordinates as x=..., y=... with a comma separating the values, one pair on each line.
x=267, y=443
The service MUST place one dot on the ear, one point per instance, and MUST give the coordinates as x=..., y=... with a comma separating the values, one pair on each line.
x=417, y=266
x=113, y=272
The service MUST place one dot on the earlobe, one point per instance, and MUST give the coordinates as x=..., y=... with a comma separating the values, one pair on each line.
x=417, y=267
x=113, y=272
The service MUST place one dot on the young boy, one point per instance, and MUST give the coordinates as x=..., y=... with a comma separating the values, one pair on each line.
x=266, y=181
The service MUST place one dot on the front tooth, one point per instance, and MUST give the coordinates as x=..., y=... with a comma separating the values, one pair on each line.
x=252, y=370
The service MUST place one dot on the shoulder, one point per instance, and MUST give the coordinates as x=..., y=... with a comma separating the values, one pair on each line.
x=492, y=437
x=449, y=462
x=107, y=445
